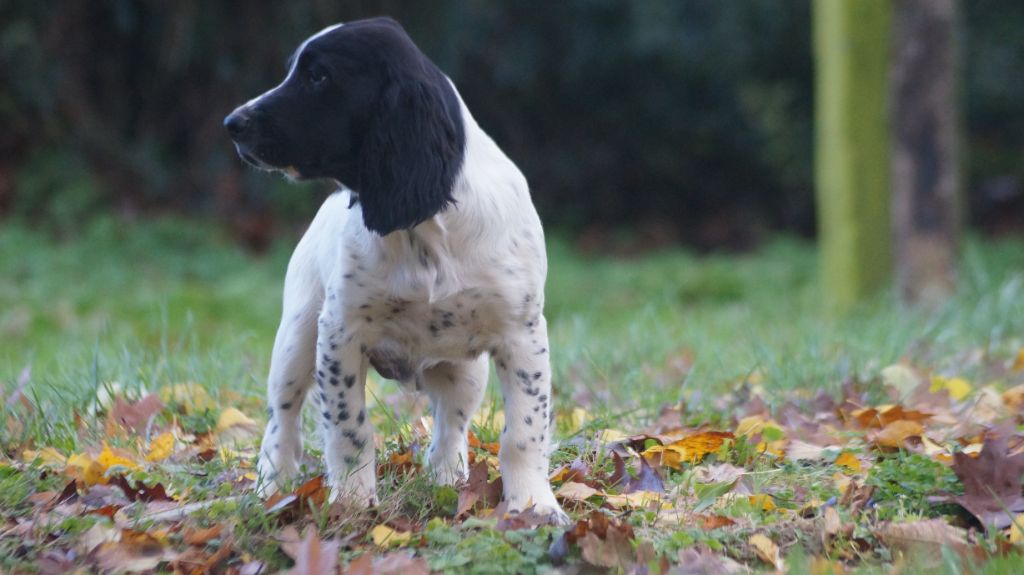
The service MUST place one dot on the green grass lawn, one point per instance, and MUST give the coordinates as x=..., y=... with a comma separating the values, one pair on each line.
x=128, y=308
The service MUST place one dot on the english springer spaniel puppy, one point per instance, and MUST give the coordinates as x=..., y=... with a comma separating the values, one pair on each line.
x=427, y=263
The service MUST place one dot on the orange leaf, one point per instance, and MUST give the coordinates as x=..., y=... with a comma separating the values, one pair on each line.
x=897, y=432
x=849, y=461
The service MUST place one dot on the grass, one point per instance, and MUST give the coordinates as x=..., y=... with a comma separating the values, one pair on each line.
x=138, y=307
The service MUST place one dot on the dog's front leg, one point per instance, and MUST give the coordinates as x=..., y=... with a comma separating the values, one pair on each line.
x=348, y=435
x=525, y=373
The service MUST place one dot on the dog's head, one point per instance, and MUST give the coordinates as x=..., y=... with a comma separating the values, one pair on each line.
x=361, y=105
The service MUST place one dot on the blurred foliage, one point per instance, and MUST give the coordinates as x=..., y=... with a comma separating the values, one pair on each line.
x=691, y=117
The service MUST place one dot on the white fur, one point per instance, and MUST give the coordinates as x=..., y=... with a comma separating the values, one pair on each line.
x=443, y=297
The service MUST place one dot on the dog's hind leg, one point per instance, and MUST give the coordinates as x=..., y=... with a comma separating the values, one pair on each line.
x=455, y=391
x=291, y=372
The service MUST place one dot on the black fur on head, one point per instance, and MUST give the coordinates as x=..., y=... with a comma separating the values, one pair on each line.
x=361, y=105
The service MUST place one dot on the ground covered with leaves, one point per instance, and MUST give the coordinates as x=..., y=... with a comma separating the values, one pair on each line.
x=710, y=419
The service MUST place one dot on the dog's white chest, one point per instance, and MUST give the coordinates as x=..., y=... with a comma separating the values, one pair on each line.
x=403, y=336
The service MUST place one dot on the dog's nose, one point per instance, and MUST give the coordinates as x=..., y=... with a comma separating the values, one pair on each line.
x=237, y=123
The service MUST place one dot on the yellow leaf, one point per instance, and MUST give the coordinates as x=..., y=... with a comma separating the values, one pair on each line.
x=575, y=419
x=1017, y=530
x=574, y=491
x=755, y=424
x=849, y=461
x=47, y=456
x=384, y=536
x=638, y=500
x=108, y=460
x=767, y=551
x=1018, y=363
x=232, y=417
x=161, y=447
x=957, y=387
x=762, y=501
x=689, y=449
x=612, y=435
x=191, y=396
x=83, y=466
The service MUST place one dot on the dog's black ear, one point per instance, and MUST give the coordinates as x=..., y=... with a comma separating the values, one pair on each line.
x=412, y=153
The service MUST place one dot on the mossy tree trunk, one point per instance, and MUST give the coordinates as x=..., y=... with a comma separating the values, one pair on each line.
x=851, y=46
x=925, y=170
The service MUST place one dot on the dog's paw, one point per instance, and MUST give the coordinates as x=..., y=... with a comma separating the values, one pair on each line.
x=553, y=514
x=450, y=470
x=354, y=491
x=273, y=473
x=541, y=500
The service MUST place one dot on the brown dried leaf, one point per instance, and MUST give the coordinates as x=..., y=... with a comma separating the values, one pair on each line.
x=992, y=483
x=647, y=479
x=139, y=491
x=930, y=535
x=478, y=490
x=135, y=416
x=613, y=550
x=311, y=555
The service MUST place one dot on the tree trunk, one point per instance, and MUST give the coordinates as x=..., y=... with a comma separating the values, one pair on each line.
x=851, y=46
x=925, y=170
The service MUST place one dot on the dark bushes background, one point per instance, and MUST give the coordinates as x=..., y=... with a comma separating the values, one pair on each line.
x=689, y=119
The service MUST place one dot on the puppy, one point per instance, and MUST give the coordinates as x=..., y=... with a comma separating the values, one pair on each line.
x=426, y=265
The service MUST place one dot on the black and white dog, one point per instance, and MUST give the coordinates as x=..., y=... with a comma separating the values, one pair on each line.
x=427, y=263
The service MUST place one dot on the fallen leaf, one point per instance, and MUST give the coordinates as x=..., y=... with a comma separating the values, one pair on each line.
x=400, y=563
x=767, y=551
x=849, y=461
x=638, y=500
x=233, y=427
x=384, y=536
x=310, y=494
x=97, y=470
x=613, y=550
x=135, y=416
x=190, y=397
x=883, y=415
x=689, y=449
x=140, y=491
x=1014, y=398
x=311, y=555
x=478, y=490
x=1018, y=362
x=573, y=491
x=647, y=479
x=232, y=417
x=700, y=561
x=928, y=535
x=762, y=501
x=45, y=457
x=718, y=473
x=992, y=483
x=161, y=447
x=1017, y=530
x=201, y=536
x=894, y=434
x=957, y=387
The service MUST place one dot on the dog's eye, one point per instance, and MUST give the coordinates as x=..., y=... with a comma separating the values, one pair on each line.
x=316, y=75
